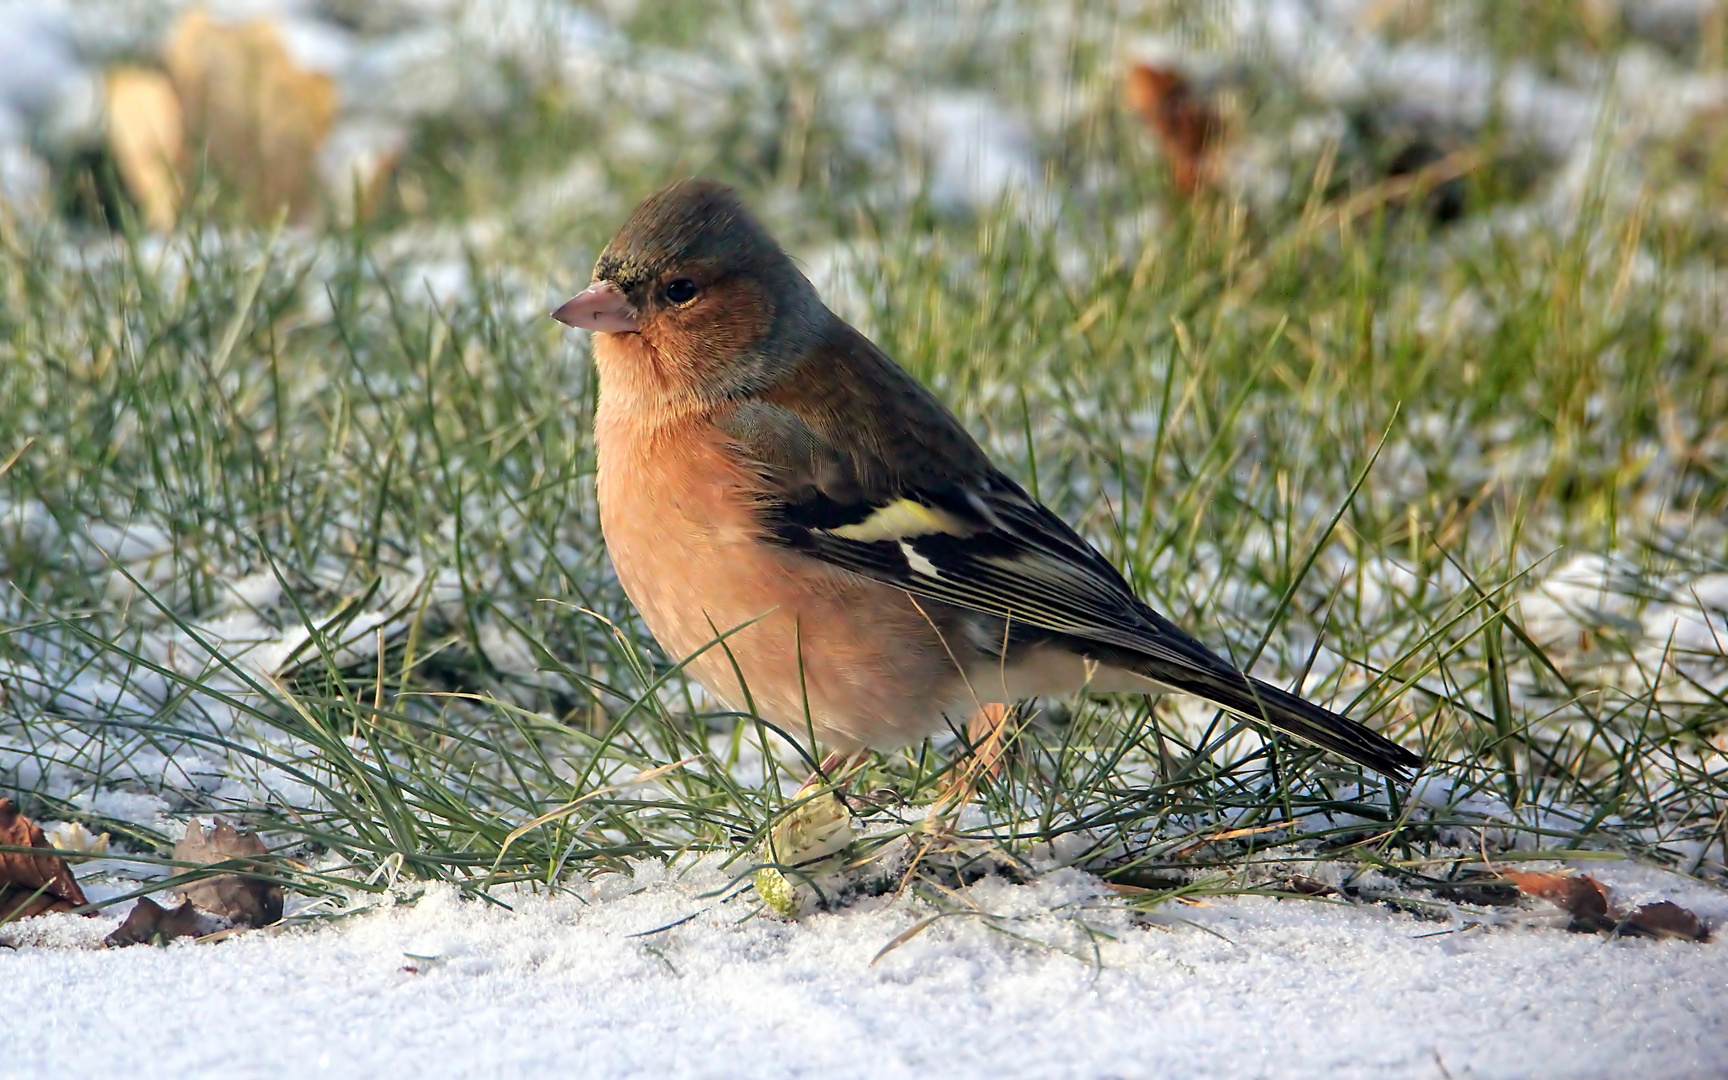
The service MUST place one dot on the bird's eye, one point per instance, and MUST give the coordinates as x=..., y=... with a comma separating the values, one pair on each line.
x=681, y=290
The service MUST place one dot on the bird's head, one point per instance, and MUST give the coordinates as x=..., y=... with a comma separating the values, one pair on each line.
x=709, y=292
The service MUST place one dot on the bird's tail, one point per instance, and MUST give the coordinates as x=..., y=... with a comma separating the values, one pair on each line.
x=1257, y=700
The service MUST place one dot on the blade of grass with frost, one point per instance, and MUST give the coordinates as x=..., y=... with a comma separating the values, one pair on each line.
x=1429, y=641
x=720, y=777
x=380, y=790
x=378, y=787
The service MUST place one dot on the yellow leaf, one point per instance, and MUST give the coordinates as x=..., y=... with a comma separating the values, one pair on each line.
x=147, y=136
x=258, y=117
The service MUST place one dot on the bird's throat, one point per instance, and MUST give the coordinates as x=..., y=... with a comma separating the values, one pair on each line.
x=639, y=384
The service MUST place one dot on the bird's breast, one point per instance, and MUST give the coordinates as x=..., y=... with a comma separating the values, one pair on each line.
x=676, y=513
x=857, y=658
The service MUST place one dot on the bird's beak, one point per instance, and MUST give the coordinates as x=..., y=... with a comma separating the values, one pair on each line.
x=601, y=306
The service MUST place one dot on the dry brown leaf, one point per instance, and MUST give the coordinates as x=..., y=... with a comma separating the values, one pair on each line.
x=259, y=118
x=1400, y=18
x=246, y=901
x=152, y=924
x=32, y=884
x=1665, y=919
x=1583, y=897
x=1187, y=124
x=1580, y=896
x=1601, y=19
x=147, y=136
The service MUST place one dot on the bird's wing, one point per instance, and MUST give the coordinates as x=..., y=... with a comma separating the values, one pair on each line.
x=907, y=498
x=935, y=517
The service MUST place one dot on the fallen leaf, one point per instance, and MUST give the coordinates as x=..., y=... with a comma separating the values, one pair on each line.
x=146, y=132
x=152, y=924
x=1400, y=18
x=1187, y=125
x=259, y=118
x=1580, y=896
x=1665, y=919
x=245, y=900
x=32, y=884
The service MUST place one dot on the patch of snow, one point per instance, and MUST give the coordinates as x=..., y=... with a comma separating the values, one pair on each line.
x=1690, y=632
x=37, y=60
x=24, y=177
x=358, y=152
x=1051, y=979
x=979, y=153
x=505, y=649
x=1587, y=591
x=124, y=806
x=254, y=591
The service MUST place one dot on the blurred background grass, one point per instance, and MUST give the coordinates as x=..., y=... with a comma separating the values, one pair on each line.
x=1417, y=398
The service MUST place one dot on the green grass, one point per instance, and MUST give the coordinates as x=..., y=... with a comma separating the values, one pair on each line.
x=1323, y=434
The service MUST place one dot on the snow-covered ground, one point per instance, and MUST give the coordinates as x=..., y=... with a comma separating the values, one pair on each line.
x=1061, y=982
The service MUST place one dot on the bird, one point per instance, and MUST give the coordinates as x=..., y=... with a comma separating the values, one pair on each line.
x=819, y=539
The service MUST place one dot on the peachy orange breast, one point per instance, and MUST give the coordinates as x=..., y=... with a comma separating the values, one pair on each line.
x=854, y=658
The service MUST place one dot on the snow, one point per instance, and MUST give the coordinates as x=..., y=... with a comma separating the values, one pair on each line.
x=978, y=153
x=581, y=984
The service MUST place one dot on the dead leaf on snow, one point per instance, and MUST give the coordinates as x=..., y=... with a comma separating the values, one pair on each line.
x=1665, y=919
x=1578, y=895
x=32, y=884
x=1586, y=901
x=1186, y=123
x=147, y=136
x=259, y=118
x=246, y=901
x=152, y=924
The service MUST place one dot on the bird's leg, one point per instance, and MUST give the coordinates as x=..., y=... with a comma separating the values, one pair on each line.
x=988, y=731
x=836, y=770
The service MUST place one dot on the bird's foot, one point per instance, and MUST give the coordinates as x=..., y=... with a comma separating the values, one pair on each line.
x=989, y=731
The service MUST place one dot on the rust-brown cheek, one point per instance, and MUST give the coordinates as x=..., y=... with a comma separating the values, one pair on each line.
x=725, y=323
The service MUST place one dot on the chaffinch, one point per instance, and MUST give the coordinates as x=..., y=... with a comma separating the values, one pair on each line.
x=769, y=477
